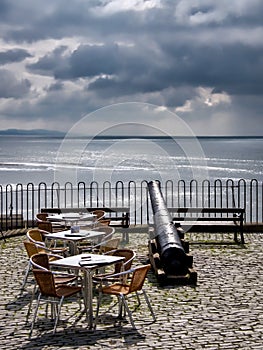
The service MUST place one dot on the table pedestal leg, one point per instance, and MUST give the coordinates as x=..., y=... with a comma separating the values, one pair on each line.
x=88, y=297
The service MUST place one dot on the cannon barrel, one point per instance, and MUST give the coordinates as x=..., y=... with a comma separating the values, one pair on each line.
x=169, y=245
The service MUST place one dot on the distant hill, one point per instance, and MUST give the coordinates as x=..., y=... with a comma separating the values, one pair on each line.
x=54, y=133
x=33, y=132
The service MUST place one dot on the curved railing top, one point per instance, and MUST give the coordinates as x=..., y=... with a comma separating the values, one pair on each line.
x=29, y=198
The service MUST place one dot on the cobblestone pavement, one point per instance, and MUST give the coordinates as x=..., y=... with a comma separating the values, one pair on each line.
x=224, y=310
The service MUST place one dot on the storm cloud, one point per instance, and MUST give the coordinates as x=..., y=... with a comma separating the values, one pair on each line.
x=13, y=55
x=11, y=87
x=201, y=59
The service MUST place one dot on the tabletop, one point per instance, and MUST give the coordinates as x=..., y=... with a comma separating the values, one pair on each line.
x=71, y=216
x=86, y=261
x=78, y=236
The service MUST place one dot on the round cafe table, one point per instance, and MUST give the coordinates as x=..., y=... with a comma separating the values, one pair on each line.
x=75, y=238
x=72, y=218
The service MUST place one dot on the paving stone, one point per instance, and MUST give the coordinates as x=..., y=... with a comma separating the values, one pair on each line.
x=224, y=310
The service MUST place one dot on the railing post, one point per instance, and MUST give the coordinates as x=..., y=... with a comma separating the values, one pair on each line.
x=28, y=194
x=208, y=196
x=143, y=192
x=132, y=196
x=179, y=193
x=68, y=188
x=52, y=194
x=39, y=206
x=191, y=193
x=240, y=183
x=19, y=208
x=252, y=205
x=106, y=201
x=215, y=193
x=10, y=206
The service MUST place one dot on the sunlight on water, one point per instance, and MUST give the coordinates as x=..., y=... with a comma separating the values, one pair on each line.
x=34, y=160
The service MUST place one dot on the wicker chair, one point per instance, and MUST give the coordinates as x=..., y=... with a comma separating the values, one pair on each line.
x=31, y=249
x=49, y=292
x=44, y=224
x=36, y=236
x=103, y=241
x=122, y=290
x=41, y=217
x=41, y=261
x=99, y=214
x=129, y=255
x=108, y=246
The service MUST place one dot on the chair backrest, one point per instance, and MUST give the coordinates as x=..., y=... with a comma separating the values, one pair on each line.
x=35, y=248
x=128, y=255
x=40, y=261
x=104, y=222
x=138, y=277
x=31, y=248
x=109, y=245
x=108, y=230
x=41, y=217
x=99, y=214
x=45, y=281
x=35, y=236
x=45, y=226
x=108, y=233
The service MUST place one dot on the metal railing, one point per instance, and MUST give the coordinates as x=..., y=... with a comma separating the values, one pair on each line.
x=22, y=202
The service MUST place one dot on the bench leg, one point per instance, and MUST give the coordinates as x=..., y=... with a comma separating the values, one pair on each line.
x=235, y=237
x=242, y=237
x=242, y=240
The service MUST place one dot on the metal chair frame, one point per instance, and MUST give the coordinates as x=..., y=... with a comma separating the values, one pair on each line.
x=51, y=293
x=123, y=290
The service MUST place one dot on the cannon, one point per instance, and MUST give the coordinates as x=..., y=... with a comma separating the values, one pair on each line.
x=167, y=250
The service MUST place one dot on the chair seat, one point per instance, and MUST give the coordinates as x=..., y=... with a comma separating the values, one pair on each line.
x=116, y=289
x=66, y=291
x=64, y=279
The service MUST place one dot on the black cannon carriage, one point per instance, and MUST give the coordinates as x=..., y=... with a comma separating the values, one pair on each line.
x=168, y=252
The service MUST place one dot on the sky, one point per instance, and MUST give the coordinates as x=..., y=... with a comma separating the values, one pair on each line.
x=201, y=60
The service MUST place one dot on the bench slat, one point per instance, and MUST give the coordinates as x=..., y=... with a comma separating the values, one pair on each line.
x=227, y=217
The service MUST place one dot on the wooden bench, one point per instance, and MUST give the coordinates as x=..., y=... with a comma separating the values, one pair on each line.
x=216, y=219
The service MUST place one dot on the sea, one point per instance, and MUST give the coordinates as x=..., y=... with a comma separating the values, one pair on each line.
x=31, y=159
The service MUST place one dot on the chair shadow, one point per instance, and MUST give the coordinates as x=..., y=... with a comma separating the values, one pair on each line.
x=75, y=336
x=20, y=302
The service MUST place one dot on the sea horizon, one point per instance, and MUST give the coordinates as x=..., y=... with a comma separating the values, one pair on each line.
x=61, y=134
